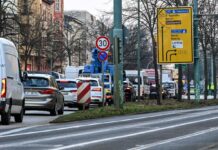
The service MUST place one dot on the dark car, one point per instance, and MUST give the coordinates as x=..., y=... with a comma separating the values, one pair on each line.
x=153, y=92
x=42, y=93
x=129, y=91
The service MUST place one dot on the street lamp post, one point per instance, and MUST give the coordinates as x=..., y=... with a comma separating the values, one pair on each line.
x=118, y=47
x=196, y=53
x=138, y=51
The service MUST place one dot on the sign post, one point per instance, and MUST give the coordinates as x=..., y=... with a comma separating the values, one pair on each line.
x=102, y=43
x=175, y=41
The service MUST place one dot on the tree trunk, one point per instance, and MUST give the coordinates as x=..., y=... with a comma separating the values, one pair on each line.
x=156, y=71
x=205, y=75
x=180, y=87
x=188, y=80
x=69, y=59
x=214, y=75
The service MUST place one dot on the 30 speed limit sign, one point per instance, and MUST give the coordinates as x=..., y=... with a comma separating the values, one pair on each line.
x=103, y=43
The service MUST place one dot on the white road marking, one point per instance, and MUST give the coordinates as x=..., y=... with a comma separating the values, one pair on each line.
x=130, y=135
x=2, y=134
x=109, y=122
x=105, y=139
x=142, y=147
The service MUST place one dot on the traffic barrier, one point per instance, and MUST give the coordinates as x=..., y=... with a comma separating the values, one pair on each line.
x=83, y=92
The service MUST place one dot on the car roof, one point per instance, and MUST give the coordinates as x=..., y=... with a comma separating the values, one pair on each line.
x=39, y=75
x=82, y=78
x=6, y=42
x=66, y=80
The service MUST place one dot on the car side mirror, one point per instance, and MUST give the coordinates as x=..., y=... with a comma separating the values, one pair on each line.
x=60, y=87
x=25, y=76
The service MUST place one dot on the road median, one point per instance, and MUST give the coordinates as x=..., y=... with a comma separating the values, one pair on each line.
x=146, y=106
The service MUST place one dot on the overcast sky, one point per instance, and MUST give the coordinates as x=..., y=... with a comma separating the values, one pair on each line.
x=92, y=6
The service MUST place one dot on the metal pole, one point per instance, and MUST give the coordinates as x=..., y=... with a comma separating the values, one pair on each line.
x=102, y=69
x=118, y=32
x=196, y=53
x=138, y=52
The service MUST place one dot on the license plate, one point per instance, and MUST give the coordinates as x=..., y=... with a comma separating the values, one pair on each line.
x=31, y=93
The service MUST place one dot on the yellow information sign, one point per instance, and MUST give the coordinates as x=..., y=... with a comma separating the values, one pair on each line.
x=175, y=41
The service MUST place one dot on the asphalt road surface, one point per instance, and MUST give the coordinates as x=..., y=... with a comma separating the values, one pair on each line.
x=194, y=129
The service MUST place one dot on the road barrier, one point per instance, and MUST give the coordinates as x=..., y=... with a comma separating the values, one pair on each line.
x=83, y=92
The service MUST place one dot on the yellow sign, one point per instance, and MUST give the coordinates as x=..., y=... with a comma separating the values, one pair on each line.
x=175, y=41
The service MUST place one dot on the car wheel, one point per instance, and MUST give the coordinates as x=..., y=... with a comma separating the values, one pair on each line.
x=80, y=107
x=19, y=117
x=6, y=117
x=53, y=112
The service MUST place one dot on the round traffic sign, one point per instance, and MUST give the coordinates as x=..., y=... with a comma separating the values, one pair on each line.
x=102, y=43
x=102, y=56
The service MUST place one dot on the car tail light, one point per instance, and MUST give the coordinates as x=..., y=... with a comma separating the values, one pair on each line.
x=73, y=91
x=4, y=88
x=49, y=91
x=97, y=89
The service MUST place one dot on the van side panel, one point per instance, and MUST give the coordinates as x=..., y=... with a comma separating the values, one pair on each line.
x=13, y=79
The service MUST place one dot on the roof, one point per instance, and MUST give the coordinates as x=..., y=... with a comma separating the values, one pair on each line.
x=39, y=75
x=7, y=42
x=65, y=80
x=88, y=78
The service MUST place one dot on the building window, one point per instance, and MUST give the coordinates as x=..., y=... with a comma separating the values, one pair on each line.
x=57, y=5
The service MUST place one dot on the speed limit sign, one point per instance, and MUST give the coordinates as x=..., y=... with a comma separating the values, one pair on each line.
x=102, y=43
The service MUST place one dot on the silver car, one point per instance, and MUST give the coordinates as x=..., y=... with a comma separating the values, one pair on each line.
x=69, y=91
x=42, y=93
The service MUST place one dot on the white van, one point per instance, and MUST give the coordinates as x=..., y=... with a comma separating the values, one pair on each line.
x=132, y=76
x=12, y=91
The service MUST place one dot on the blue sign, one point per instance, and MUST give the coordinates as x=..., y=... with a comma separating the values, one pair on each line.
x=178, y=31
x=102, y=56
x=177, y=11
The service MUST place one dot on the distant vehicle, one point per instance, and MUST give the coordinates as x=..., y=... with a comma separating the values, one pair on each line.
x=69, y=91
x=12, y=92
x=73, y=72
x=129, y=91
x=154, y=94
x=171, y=87
x=96, y=90
x=132, y=76
x=57, y=75
x=42, y=93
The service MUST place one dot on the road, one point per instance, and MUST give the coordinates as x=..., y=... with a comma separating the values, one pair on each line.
x=194, y=129
x=34, y=118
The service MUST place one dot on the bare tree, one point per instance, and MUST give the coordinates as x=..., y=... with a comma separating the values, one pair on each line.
x=8, y=17
x=30, y=27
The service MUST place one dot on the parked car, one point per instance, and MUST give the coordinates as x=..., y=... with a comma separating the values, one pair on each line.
x=153, y=92
x=96, y=90
x=69, y=91
x=42, y=93
x=129, y=91
x=12, y=92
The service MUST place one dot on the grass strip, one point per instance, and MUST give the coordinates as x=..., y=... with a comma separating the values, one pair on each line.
x=146, y=106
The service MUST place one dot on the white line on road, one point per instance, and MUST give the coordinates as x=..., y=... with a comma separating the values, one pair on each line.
x=130, y=135
x=142, y=147
x=111, y=138
x=3, y=135
x=112, y=129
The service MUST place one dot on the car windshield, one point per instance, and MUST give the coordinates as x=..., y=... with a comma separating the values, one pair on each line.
x=92, y=82
x=67, y=84
x=168, y=85
x=36, y=82
x=133, y=79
